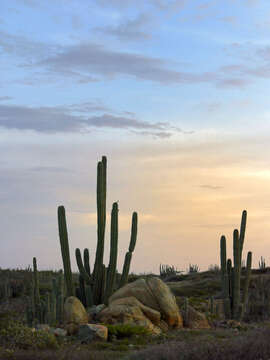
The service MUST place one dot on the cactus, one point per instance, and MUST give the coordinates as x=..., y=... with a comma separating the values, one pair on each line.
x=36, y=295
x=231, y=276
x=128, y=257
x=99, y=285
x=50, y=309
x=186, y=311
x=101, y=223
x=63, y=235
x=113, y=254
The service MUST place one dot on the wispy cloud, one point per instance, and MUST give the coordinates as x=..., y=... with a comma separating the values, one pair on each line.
x=129, y=30
x=5, y=98
x=211, y=187
x=62, y=119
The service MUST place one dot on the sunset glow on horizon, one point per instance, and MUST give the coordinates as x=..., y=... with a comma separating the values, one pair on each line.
x=174, y=93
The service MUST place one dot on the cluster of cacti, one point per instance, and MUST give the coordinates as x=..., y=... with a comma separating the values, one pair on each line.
x=5, y=289
x=168, y=270
x=97, y=287
x=193, y=268
x=231, y=275
x=259, y=299
x=50, y=309
x=262, y=265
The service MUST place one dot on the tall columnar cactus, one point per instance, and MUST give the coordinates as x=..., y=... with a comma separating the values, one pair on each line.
x=231, y=276
x=63, y=235
x=128, y=257
x=101, y=223
x=100, y=285
x=36, y=295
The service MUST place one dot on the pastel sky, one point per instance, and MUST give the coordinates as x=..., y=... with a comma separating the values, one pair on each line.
x=174, y=92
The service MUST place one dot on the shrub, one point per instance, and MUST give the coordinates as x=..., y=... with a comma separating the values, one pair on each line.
x=16, y=335
x=126, y=330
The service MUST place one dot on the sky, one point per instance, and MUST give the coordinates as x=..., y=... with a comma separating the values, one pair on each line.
x=174, y=92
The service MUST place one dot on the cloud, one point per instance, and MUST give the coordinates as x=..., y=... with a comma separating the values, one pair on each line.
x=90, y=62
x=229, y=19
x=233, y=83
x=88, y=58
x=211, y=187
x=129, y=30
x=62, y=119
x=163, y=5
x=20, y=46
x=5, y=98
x=50, y=169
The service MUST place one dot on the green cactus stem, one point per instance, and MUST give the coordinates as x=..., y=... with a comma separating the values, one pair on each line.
x=63, y=235
x=86, y=261
x=110, y=282
x=128, y=257
x=36, y=295
x=247, y=280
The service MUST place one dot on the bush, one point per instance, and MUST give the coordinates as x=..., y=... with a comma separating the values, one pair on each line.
x=126, y=330
x=16, y=335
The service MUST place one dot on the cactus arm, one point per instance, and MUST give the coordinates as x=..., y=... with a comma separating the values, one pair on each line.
x=128, y=257
x=113, y=253
x=86, y=261
x=134, y=227
x=247, y=280
x=63, y=235
x=242, y=230
x=81, y=268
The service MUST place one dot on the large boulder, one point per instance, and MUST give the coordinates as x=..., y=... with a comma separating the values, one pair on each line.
x=130, y=311
x=196, y=319
x=74, y=311
x=154, y=294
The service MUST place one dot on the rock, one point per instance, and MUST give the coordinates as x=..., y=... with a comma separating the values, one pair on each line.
x=72, y=328
x=94, y=310
x=129, y=312
x=43, y=327
x=91, y=332
x=74, y=311
x=196, y=319
x=60, y=332
x=153, y=315
x=154, y=294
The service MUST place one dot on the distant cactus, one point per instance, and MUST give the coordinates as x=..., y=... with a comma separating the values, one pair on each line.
x=168, y=270
x=262, y=265
x=50, y=309
x=193, y=268
x=231, y=276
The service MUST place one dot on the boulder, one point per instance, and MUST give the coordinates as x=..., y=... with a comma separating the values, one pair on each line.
x=154, y=294
x=74, y=311
x=196, y=319
x=91, y=332
x=58, y=332
x=93, y=311
x=128, y=311
x=72, y=328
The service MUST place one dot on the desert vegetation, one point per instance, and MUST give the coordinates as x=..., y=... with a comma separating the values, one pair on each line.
x=222, y=313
